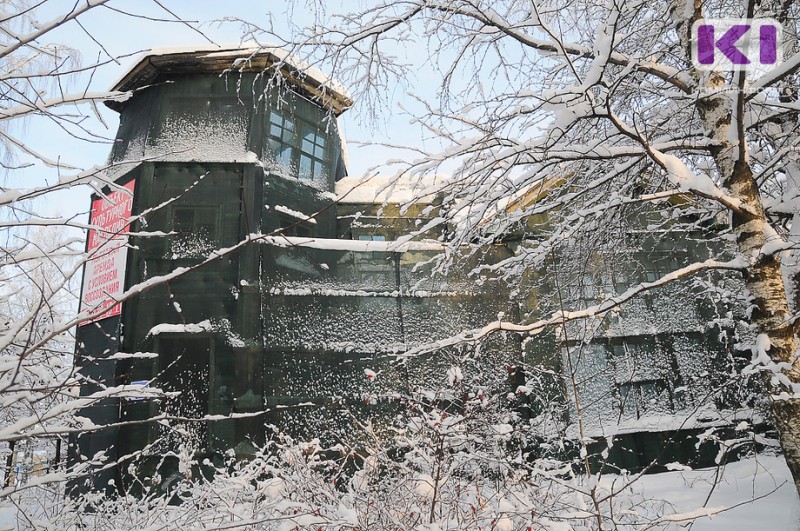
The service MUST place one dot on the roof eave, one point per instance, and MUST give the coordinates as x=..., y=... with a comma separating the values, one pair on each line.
x=151, y=65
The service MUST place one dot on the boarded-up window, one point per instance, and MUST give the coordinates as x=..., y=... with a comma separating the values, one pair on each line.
x=195, y=231
x=184, y=363
x=640, y=367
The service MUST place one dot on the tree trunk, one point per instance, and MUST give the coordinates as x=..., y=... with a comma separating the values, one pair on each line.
x=10, y=462
x=771, y=315
x=764, y=278
x=786, y=414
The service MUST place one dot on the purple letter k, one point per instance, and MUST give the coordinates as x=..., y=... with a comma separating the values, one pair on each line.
x=726, y=44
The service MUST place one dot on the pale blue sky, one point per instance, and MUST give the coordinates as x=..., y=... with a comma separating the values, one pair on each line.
x=122, y=35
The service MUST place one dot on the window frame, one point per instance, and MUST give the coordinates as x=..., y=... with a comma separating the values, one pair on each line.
x=302, y=141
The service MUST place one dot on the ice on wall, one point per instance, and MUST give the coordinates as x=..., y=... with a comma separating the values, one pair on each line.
x=333, y=323
x=588, y=374
x=203, y=120
x=644, y=383
x=197, y=244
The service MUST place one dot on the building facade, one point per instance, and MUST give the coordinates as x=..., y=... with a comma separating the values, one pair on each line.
x=295, y=298
x=293, y=304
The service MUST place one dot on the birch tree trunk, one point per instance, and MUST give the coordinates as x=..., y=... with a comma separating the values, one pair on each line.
x=723, y=117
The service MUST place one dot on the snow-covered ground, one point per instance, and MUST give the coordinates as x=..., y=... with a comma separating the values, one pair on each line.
x=753, y=494
x=758, y=493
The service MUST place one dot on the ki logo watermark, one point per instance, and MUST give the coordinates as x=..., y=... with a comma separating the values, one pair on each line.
x=736, y=44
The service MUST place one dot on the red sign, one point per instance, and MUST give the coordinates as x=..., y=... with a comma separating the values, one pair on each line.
x=104, y=273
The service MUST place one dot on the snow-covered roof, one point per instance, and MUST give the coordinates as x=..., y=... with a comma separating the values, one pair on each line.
x=390, y=189
x=237, y=58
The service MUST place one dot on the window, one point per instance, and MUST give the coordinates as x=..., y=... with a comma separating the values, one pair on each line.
x=313, y=154
x=640, y=370
x=297, y=147
x=281, y=138
x=659, y=265
x=640, y=398
x=295, y=227
x=622, y=279
x=587, y=287
x=195, y=231
x=374, y=256
x=372, y=238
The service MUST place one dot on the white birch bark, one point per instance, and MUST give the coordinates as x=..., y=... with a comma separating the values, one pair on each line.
x=723, y=118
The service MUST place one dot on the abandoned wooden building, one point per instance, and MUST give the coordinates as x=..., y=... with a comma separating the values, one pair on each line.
x=298, y=290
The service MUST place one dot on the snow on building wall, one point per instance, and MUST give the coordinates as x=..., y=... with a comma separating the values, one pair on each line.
x=303, y=337
x=300, y=326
